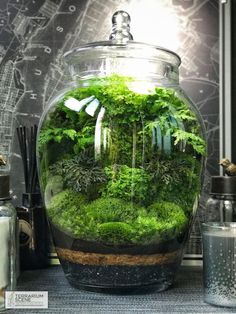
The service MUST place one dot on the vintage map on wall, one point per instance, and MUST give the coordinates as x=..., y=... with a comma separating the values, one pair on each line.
x=34, y=34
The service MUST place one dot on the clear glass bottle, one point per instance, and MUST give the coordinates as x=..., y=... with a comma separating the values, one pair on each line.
x=221, y=206
x=120, y=158
x=7, y=240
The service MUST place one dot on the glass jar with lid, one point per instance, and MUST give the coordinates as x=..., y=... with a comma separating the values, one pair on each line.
x=8, y=241
x=221, y=206
x=120, y=158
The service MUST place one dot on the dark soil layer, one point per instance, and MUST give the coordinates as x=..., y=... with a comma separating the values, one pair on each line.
x=120, y=279
x=117, y=269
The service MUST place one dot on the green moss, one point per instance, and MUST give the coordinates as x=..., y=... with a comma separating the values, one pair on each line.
x=131, y=184
x=115, y=221
x=53, y=187
x=115, y=232
x=64, y=202
x=170, y=214
x=111, y=210
x=147, y=230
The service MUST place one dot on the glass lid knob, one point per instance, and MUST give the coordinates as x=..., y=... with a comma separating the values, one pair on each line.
x=121, y=27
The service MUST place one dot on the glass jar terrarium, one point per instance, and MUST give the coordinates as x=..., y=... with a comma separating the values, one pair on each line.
x=120, y=160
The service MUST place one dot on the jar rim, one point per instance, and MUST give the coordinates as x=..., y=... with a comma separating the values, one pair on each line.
x=148, y=50
x=214, y=226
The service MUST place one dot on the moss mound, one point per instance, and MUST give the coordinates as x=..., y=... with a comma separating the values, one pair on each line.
x=116, y=232
x=112, y=209
x=170, y=214
x=64, y=202
x=115, y=221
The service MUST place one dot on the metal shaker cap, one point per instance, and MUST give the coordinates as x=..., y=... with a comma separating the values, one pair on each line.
x=4, y=187
x=223, y=185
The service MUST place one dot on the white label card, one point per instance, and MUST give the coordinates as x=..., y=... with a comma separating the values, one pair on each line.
x=26, y=299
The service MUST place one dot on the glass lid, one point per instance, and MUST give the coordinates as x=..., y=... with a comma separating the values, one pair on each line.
x=121, y=45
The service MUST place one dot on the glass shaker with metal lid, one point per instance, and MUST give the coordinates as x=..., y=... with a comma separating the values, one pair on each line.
x=221, y=206
x=8, y=240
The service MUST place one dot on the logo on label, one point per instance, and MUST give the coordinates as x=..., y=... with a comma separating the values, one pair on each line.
x=26, y=299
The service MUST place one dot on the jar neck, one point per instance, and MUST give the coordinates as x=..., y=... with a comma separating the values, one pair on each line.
x=131, y=59
x=160, y=72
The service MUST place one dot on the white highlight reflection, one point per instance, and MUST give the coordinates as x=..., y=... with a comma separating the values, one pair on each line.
x=98, y=133
x=77, y=105
x=154, y=22
x=92, y=107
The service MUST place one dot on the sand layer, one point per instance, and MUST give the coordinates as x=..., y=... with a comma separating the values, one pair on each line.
x=86, y=258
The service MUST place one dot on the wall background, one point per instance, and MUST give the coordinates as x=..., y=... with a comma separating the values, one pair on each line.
x=34, y=34
x=233, y=43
